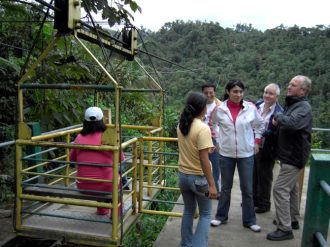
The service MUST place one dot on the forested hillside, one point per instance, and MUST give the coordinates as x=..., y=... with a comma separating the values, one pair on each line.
x=214, y=54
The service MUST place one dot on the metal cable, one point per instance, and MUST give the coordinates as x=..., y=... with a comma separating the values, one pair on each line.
x=35, y=42
x=153, y=66
x=14, y=47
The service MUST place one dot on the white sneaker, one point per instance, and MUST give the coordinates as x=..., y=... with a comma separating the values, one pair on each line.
x=216, y=222
x=255, y=228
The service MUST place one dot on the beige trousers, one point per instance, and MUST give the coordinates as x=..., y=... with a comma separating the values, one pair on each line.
x=286, y=197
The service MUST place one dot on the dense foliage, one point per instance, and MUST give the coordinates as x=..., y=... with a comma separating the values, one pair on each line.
x=68, y=62
x=215, y=54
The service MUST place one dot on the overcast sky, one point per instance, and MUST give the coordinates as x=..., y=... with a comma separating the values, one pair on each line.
x=262, y=14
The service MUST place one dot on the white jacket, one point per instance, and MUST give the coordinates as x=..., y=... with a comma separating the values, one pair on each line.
x=237, y=140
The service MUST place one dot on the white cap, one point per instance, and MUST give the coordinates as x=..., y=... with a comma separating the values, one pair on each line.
x=93, y=114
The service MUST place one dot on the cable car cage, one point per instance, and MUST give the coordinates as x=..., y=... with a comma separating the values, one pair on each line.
x=48, y=204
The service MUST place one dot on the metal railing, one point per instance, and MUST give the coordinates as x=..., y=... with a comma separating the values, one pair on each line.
x=317, y=213
x=43, y=181
x=317, y=130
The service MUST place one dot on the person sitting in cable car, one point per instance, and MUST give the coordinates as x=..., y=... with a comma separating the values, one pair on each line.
x=91, y=134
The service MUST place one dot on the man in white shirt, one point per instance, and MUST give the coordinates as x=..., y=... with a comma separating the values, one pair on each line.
x=265, y=159
x=212, y=103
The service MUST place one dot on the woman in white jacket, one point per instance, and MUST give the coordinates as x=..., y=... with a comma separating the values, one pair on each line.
x=241, y=127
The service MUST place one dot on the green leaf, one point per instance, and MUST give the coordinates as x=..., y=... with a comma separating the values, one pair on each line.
x=134, y=6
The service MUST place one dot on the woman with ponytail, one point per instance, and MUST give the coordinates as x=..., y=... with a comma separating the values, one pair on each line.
x=240, y=130
x=196, y=181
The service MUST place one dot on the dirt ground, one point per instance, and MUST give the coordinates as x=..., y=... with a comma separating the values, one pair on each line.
x=6, y=223
x=7, y=229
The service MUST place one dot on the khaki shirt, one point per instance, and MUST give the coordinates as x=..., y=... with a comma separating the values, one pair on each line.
x=199, y=138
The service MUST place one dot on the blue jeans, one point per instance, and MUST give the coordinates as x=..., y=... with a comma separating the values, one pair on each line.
x=214, y=158
x=245, y=172
x=190, y=196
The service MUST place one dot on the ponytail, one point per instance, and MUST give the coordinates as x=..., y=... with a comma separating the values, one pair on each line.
x=195, y=104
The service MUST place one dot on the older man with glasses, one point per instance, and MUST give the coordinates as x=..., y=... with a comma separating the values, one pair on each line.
x=265, y=158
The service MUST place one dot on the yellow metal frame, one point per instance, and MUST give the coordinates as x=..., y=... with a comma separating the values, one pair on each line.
x=25, y=139
x=151, y=188
x=22, y=132
x=66, y=177
x=137, y=194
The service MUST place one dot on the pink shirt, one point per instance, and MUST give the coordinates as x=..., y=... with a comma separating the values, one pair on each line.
x=234, y=109
x=93, y=156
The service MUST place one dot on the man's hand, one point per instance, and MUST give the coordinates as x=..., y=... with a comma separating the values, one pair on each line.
x=274, y=122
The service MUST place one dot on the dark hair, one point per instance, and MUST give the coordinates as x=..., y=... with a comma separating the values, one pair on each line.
x=90, y=127
x=208, y=85
x=230, y=85
x=195, y=104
